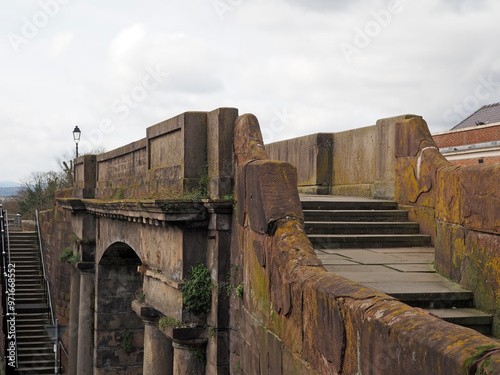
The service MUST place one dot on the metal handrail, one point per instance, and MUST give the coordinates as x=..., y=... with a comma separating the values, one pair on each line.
x=6, y=225
x=59, y=342
x=43, y=268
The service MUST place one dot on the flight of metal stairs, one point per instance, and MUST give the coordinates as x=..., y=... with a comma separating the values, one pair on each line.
x=35, y=348
x=361, y=224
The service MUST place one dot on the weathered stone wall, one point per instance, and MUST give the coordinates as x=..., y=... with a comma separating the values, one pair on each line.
x=295, y=318
x=459, y=207
x=178, y=155
x=313, y=157
x=55, y=226
x=146, y=245
x=359, y=162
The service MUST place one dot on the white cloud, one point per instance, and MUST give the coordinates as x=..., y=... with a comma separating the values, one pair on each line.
x=262, y=57
x=59, y=44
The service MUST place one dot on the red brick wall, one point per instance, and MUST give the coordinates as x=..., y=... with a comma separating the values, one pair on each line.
x=467, y=137
x=474, y=161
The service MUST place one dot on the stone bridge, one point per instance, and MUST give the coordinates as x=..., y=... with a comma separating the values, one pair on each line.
x=141, y=218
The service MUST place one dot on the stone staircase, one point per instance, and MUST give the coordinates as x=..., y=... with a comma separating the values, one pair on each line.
x=35, y=348
x=372, y=242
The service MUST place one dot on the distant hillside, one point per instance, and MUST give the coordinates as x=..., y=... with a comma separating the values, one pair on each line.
x=9, y=191
x=9, y=184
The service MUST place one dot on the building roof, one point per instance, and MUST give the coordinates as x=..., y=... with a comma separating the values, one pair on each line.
x=487, y=114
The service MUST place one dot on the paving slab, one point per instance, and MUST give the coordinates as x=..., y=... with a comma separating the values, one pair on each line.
x=426, y=267
x=335, y=260
x=358, y=268
x=365, y=256
x=392, y=277
x=390, y=250
x=403, y=288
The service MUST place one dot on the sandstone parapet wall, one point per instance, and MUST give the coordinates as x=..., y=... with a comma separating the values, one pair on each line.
x=295, y=318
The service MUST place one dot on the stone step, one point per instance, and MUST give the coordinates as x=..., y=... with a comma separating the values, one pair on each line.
x=26, y=370
x=38, y=346
x=356, y=215
x=27, y=271
x=467, y=317
x=27, y=322
x=24, y=256
x=28, y=327
x=29, y=292
x=32, y=308
x=318, y=204
x=343, y=241
x=35, y=332
x=428, y=295
x=47, y=354
x=333, y=227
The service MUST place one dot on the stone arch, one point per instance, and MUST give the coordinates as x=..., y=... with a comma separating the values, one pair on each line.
x=119, y=332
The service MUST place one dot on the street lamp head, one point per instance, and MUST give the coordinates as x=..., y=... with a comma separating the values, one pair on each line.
x=76, y=134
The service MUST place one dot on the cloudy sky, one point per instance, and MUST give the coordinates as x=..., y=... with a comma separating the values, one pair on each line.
x=301, y=66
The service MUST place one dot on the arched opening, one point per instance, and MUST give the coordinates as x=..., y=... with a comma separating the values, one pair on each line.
x=119, y=332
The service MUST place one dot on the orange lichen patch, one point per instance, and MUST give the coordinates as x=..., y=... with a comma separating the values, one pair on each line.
x=481, y=197
x=412, y=135
x=448, y=202
x=406, y=185
x=392, y=338
x=248, y=143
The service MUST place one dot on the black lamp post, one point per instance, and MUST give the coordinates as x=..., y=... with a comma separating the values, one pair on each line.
x=76, y=136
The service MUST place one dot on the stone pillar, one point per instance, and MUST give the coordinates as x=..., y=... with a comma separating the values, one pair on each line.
x=187, y=358
x=158, y=351
x=85, y=362
x=220, y=136
x=219, y=262
x=73, y=320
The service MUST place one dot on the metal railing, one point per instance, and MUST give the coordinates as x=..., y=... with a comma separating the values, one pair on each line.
x=14, y=220
x=8, y=302
x=47, y=285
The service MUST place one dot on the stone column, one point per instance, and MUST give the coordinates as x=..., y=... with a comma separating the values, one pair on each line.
x=158, y=351
x=85, y=363
x=187, y=357
x=73, y=320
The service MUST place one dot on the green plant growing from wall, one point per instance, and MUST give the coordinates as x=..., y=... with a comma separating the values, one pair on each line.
x=237, y=368
x=480, y=352
x=68, y=256
x=230, y=287
x=128, y=337
x=200, y=354
x=141, y=297
x=168, y=321
x=197, y=291
x=239, y=290
x=74, y=239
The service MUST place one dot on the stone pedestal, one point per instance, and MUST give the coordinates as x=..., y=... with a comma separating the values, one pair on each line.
x=86, y=325
x=188, y=357
x=158, y=351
